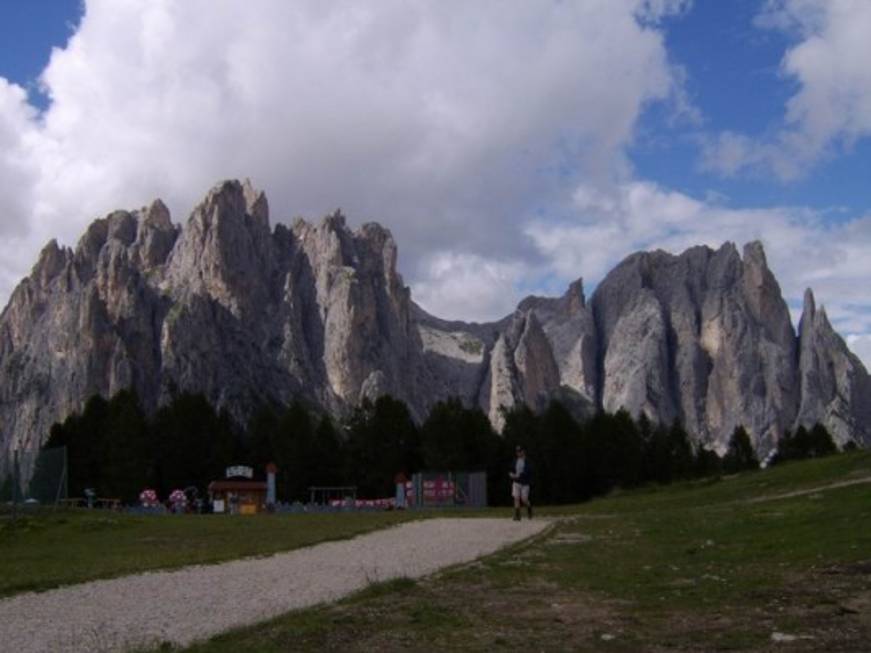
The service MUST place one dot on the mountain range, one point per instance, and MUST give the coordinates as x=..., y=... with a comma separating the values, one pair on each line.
x=244, y=312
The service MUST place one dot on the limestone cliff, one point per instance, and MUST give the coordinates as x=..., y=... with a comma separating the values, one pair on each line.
x=243, y=312
x=833, y=384
x=704, y=337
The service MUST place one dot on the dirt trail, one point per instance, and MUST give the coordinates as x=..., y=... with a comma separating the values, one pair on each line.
x=813, y=490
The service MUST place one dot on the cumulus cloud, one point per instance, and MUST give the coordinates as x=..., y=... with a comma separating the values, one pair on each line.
x=474, y=287
x=831, y=109
x=16, y=172
x=803, y=248
x=451, y=123
x=18, y=176
x=467, y=128
x=861, y=346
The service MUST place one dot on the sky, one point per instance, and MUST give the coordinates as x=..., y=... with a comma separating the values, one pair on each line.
x=511, y=147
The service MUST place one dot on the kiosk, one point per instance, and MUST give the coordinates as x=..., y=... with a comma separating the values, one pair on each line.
x=238, y=493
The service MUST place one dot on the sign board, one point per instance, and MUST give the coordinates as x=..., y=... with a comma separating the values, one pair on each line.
x=240, y=470
x=438, y=492
x=218, y=505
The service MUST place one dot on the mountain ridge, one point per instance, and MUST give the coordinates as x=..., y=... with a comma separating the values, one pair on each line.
x=241, y=311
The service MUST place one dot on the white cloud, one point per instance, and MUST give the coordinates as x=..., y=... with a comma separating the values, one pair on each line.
x=464, y=127
x=803, y=249
x=451, y=123
x=831, y=109
x=470, y=287
x=861, y=346
x=16, y=172
x=17, y=181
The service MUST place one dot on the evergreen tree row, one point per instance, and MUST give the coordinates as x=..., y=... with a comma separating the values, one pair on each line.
x=113, y=447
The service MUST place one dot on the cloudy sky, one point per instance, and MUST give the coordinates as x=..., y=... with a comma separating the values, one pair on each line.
x=510, y=146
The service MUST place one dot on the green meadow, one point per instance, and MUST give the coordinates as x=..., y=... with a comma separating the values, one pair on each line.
x=778, y=559
x=48, y=549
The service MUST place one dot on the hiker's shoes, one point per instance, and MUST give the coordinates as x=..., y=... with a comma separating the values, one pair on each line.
x=517, y=513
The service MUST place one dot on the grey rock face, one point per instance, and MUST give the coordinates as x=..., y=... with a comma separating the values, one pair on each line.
x=243, y=312
x=225, y=306
x=85, y=321
x=722, y=354
x=570, y=329
x=522, y=368
x=834, y=385
x=636, y=364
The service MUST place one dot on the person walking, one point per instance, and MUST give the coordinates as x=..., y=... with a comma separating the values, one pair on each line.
x=520, y=480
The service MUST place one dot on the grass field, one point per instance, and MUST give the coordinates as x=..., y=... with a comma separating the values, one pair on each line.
x=770, y=560
x=49, y=549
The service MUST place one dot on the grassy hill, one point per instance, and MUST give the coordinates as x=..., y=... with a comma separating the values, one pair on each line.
x=770, y=560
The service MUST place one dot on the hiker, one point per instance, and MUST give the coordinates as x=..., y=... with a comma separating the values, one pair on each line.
x=520, y=478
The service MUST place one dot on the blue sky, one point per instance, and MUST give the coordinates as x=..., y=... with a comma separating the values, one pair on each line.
x=735, y=81
x=510, y=148
x=28, y=31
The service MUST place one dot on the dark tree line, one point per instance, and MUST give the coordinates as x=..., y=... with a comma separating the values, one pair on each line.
x=114, y=447
x=804, y=443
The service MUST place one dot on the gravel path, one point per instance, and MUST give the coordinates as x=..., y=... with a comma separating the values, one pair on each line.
x=198, y=602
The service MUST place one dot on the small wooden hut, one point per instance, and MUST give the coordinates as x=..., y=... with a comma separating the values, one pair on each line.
x=239, y=493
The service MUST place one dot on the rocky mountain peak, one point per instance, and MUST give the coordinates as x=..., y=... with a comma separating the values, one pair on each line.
x=225, y=250
x=52, y=260
x=703, y=336
x=155, y=237
x=834, y=385
x=156, y=216
x=225, y=306
x=336, y=220
x=754, y=255
x=574, y=298
x=571, y=302
x=90, y=244
x=229, y=208
x=764, y=297
x=122, y=226
x=378, y=242
x=809, y=307
x=256, y=204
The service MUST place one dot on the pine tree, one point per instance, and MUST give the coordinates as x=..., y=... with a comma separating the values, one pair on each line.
x=740, y=455
x=382, y=441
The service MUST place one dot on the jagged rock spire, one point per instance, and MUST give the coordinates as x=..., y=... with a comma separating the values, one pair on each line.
x=227, y=306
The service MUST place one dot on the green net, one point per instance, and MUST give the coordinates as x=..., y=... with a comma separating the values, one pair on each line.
x=34, y=477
